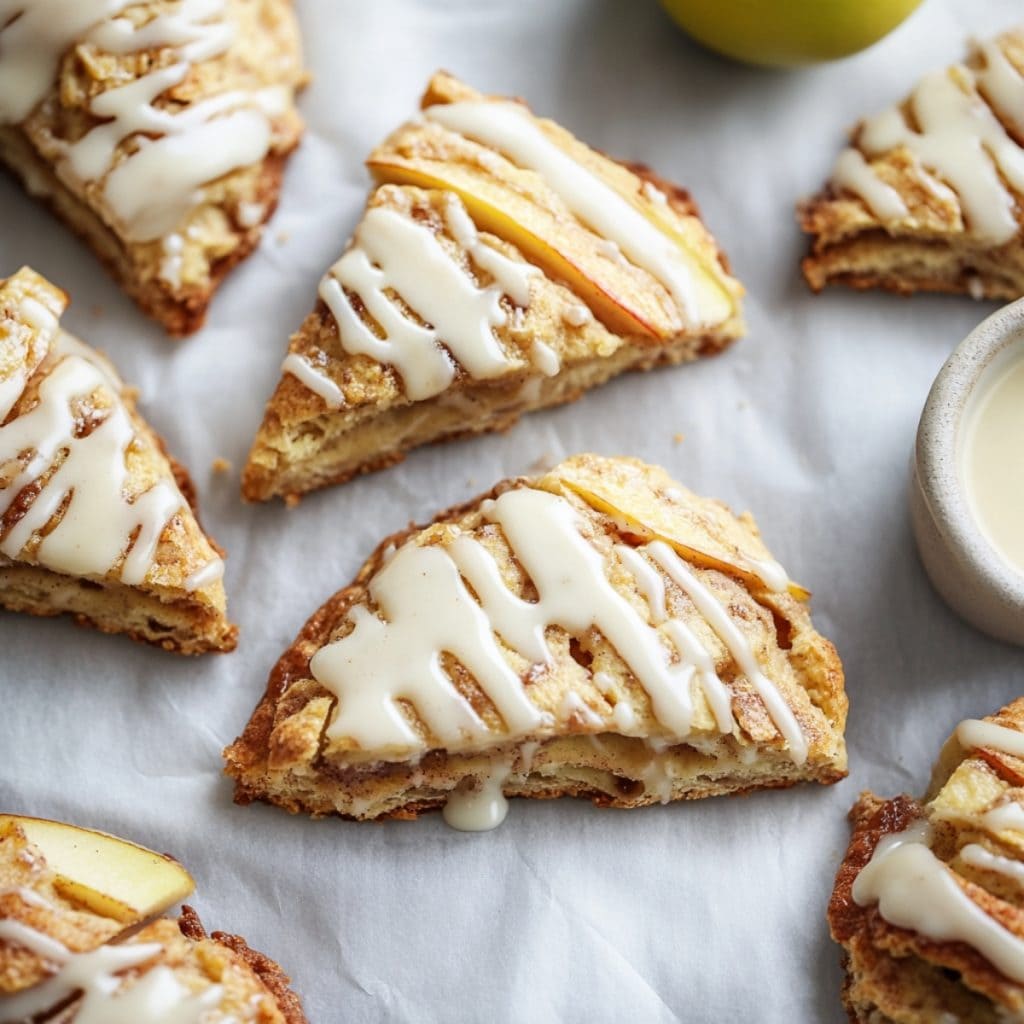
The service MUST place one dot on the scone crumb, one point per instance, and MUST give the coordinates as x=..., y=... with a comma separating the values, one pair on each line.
x=221, y=465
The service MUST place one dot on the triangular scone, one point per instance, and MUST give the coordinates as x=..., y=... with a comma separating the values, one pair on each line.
x=930, y=194
x=95, y=518
x=501, y=266
x=929, y=900
x=597, y=632
x=158, y=131
x=64, y=960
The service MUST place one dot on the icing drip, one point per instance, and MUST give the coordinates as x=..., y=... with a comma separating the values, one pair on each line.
x=509, y=128
x=315, y=380
x=157, y=997
x=424, y=608
x=98, y=523
x=396, y=253
x=914, y=889
x=152, y=189
x=545, y=358
x=977, y=856
x=205, y=575
x=958, y=138
x=478, y=807
x=974, y=735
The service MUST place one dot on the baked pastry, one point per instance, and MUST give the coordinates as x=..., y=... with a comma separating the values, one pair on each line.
x=929, y=194
x=158, y=130
x=500, y=266
x=63, y=960
x=96, y=519
x=597, y=632
x=929, y=900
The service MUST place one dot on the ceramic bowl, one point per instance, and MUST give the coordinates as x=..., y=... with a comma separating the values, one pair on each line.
x=964, y=567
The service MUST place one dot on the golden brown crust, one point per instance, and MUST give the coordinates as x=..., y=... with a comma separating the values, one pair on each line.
x=304, y=444
x=217, y=236
x=281, y=756
x=895, y=973
x=931, y=247
x=161, y=610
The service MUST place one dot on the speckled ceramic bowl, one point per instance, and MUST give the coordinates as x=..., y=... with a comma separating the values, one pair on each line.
x=964, y=567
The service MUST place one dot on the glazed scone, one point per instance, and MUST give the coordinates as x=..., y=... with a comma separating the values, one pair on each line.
x=929, y=194
x=929, y=901
x=62, y=961
x=96, y=519
x=500, y=266
x=158, y=130
x=597, y=632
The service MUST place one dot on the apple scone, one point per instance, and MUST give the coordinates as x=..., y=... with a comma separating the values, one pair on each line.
x=157, y=129
x=500, y=266
x=75, y=944
x=929, y=901
x=930, y=193
x=96, y=519
x=597, y=632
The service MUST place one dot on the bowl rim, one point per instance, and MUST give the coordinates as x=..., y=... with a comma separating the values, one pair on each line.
x=938, y=442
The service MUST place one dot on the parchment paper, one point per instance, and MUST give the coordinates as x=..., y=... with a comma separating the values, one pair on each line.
x=705, y=912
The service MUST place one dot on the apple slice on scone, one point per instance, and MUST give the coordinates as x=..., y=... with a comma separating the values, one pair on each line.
x=633, y=648
x=96, y=519
x=71, y=903
x=500, y=266
x=929, y=196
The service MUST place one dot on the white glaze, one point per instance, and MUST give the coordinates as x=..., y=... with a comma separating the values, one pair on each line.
x=314, y=379
x=1004, y=818
x=545, y=358
x=1002, y=84
x=992, y=471
x=153, y=189
x=157, y=997
x=577, y=315
x=854, y=173
x=509, y=128
x=959, y=139
x=478, y=807
x=573, y=706
x=395, y=253
x=205, y=575
x=915, y=890
x=98, y=522
x=977, y=856
x=974, y=734
x=423, y=608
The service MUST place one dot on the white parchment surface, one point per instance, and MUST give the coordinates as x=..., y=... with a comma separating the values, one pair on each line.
x=705, y=912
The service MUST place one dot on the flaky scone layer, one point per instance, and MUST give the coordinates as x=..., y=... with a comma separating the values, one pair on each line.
x=586, y=313
x=171, y=605
x=598, y=733
x=252, y=986
x=897, y=973
x=936, y=241
x=172, y=277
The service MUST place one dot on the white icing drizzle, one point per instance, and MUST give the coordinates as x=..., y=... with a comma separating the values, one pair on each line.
x=395, y=253
x=151, y=190
x=315, y=380
x=649, y=581
x=545, y=358
x=509, y=128
x=478, y=806
x=974, y=734
x=205, y=575
x=769, y=572
x=977, y=856
x=577, y=315
x=98, y=522
x=958, y=138
x=658, y=775
x=157, y=997
x=1005, y=817
x=855, y=174
x=170, y=265
x=424, y=608
x=572, y=706
x=915, y=890
x=26, y=895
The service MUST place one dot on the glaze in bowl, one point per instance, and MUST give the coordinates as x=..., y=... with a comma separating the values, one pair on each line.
x=967, y=571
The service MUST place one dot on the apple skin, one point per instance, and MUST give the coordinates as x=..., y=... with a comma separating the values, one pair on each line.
x=784, y=33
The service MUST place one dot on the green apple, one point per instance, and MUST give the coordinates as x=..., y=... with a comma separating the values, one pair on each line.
x=787, y=32
x=109, y=876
